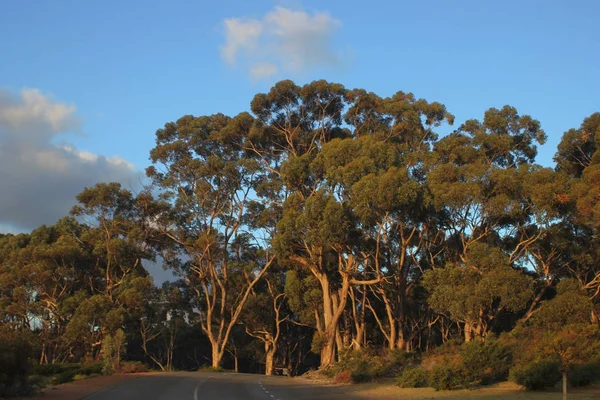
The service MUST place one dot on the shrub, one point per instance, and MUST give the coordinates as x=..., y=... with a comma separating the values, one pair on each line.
x=537, y=375
x=38, y=381
x=328, y=372
x=15, y=351
x=91, y=369
x=400, y=359
x=63, y=377
x=343, y=377
x=132, y=367
x=585, y=374
x=362, y=372
x=486, y=362
x=208, y=368
x=448, y=378
x=413, y=378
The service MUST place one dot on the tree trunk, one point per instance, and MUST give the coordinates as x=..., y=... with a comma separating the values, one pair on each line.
x=270, y=356
x=564, y=384
x=328, y=350
x=468, y=332
x=217, y=355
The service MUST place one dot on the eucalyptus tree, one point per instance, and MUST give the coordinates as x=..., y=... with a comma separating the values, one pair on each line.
x=118, y=235
x=579, y=156
x=265, y=314
x=203, y=172
x=477, y=182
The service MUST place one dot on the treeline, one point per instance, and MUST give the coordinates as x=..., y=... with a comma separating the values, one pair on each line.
x=326, y=222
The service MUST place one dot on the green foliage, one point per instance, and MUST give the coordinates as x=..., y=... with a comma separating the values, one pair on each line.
x=486, y=362
x=366, y=366
x=366, y=224
x=15, y=352
x=413, y=378
x=537, y=375
x=362, y=372
x=447, y=377
x=63, y=377
x=57, y=368
x=59, y=373
x=585, y=373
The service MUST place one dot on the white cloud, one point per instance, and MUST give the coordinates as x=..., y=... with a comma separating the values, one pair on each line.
x=263, y=70
x=37, y=115
x=39, y=179
x=284, y=39
x=241, y=35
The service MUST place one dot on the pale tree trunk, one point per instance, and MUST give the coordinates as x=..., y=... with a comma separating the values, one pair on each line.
x=217, y=354
x=359, y=320
x=269, y=340
x=269, y=358
x=218, y=333
x=468, y=332
x=334, y=302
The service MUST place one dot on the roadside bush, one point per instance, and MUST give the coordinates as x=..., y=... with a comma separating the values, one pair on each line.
x=448, y=378
x=363, y=372
x=63, y=377
x=91, y=369
x=485, y=362
x=413, y=378
x=396, y=360
x=343, y=377
x=38, y=381
x=363, y=366
x=537, y=375
x=329, y=372
x=208, y=368
x=585, y=374
x=132, y=367
x=15, y=351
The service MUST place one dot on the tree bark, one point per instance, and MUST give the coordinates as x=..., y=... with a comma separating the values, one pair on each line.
x=269, y=358
x=564, y=384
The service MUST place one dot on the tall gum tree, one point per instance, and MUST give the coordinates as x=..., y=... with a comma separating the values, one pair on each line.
x=119, y=236
x=202, y=170
x=578, y=155
x=476, y=181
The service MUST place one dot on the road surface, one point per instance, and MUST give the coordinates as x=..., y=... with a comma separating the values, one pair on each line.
x=218, y=386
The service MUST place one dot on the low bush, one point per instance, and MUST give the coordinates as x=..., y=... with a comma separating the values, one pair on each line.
x=485, y=362
x=63, y=377
x=15, y=352
x=343, y=377
x=38, y=381
x=132, y=367
x=413, y=378
x=449, y=378
x=328, y=372
x=585, y=374
x=363, y=372
x=208, y=368
x=80, y=377
x=90, y=369
x=537, y=375
x=397, y=360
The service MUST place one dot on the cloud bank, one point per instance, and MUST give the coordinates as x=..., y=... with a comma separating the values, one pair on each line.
x=283, y=40
x=39, y=178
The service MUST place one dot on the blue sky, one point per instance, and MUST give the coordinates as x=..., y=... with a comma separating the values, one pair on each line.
x=86, y=84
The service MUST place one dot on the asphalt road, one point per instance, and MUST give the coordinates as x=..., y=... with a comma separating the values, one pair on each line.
x=218, y=386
